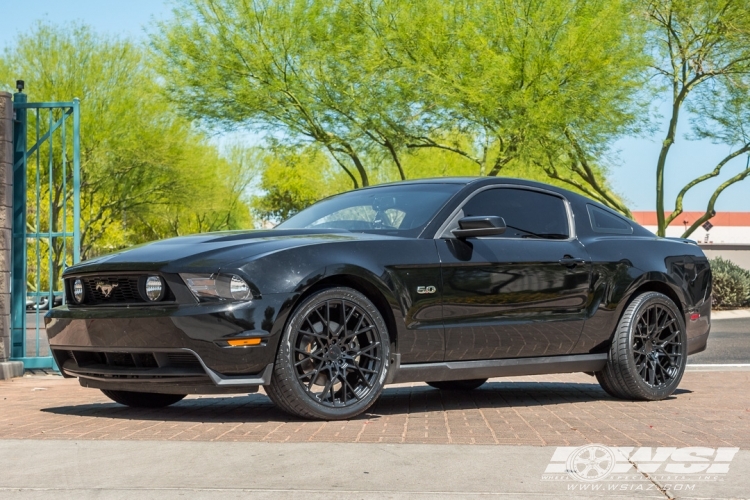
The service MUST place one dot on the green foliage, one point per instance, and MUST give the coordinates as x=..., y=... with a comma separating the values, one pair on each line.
x=547, y=85
x=146, y=172
x=731, y=284
x=210, y=196
x=701, y=53
x=292, y=180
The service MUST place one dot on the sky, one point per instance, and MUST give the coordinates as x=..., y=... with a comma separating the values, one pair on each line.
x=633, y=177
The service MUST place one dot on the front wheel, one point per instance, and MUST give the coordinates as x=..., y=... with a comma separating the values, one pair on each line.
x=648, y=354
x=458, y=385
x=143, y=399
x=333, y=357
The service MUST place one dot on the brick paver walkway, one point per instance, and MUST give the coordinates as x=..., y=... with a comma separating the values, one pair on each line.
x=710, y=409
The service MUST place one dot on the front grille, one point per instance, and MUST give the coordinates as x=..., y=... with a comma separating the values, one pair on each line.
x=111, y=366
x=113, y=290
x=129, y=359
x=123, y=359
x=182, y=360
x=124, y=290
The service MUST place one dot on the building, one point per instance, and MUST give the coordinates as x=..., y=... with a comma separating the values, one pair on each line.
x=729, y=236
x=728, y=227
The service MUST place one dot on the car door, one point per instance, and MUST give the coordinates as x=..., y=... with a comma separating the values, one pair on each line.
x=520, y=294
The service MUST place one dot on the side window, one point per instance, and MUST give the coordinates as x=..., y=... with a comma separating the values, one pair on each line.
x=603, y=221
x=528, y=214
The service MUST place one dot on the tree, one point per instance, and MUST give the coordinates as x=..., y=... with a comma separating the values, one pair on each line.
x=140, y=161
x=291, y=180
x=232, y=63
x=536, y=83
x=701, y=51
x=547, y=84
x=211, y=195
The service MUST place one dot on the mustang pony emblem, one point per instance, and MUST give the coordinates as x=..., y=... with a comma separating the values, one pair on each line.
x=106, y=288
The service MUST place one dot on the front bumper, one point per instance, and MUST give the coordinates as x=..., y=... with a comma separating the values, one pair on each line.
x=180, y=349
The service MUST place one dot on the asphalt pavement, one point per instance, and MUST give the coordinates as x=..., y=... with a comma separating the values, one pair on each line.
x=728, y=343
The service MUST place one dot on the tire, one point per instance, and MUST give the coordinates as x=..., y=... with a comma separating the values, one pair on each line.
x=648, y=354
x=143, y=399
x=458, y=385
x=326, y=372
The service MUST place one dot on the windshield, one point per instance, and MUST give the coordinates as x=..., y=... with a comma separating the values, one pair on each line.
x=402, y=210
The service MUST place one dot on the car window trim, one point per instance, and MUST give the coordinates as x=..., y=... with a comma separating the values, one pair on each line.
x=590, y=206
x=440, y=233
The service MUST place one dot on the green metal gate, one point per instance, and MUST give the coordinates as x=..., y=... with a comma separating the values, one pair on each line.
x=46, y=218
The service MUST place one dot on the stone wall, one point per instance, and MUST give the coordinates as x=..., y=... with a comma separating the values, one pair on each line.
x=6, y=218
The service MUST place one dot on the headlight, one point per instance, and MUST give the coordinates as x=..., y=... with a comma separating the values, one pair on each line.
x=78, y=291
x=154, y=287
x=239, y=290
x=217, y=286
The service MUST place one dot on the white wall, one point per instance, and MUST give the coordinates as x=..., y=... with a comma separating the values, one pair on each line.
x=718, y=234
x=739, y=257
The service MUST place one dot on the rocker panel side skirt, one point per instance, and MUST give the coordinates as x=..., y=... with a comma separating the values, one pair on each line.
x=465, y=370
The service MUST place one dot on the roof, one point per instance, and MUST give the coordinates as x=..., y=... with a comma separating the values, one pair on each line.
x=434, y=180
x=473, y=180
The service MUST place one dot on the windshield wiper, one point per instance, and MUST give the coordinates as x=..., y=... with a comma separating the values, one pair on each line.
x=544, y=236
x=529, y=234
x=550, y=236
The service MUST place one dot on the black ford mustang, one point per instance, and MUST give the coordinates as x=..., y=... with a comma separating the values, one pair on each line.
x=447, y=281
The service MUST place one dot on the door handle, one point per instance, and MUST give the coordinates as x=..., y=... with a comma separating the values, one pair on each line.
x=569, y=261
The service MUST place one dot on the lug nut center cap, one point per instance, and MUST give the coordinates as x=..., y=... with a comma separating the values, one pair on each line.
x=335, y=352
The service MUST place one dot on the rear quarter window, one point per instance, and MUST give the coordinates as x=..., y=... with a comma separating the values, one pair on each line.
x=606, y=222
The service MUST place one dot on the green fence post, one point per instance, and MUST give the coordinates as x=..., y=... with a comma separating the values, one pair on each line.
x=18, y=254
x=76, y=181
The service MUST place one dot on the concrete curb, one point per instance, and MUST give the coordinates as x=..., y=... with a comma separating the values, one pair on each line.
x=732, y=314
x=11, y=369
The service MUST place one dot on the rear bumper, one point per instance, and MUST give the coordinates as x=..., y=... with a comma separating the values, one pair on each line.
x=178, y=349
x=697, y=344
x=698, y=323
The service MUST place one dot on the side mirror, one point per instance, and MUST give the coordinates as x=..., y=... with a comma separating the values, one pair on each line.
x=471, y=227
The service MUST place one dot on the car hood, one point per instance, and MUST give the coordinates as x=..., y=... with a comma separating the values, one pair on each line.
x=209, y=252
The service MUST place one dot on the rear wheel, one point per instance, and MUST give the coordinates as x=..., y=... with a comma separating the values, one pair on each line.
x=333, y=357
x=458, y=385
x=143, y=399
x=648, y=354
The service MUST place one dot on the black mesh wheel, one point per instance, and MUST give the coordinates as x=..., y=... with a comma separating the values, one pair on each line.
x=648, y=354
x=143, y=399
x=333, y=357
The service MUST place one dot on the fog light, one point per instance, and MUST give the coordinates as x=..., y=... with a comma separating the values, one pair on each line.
x=78, y=290
x=154, y=288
